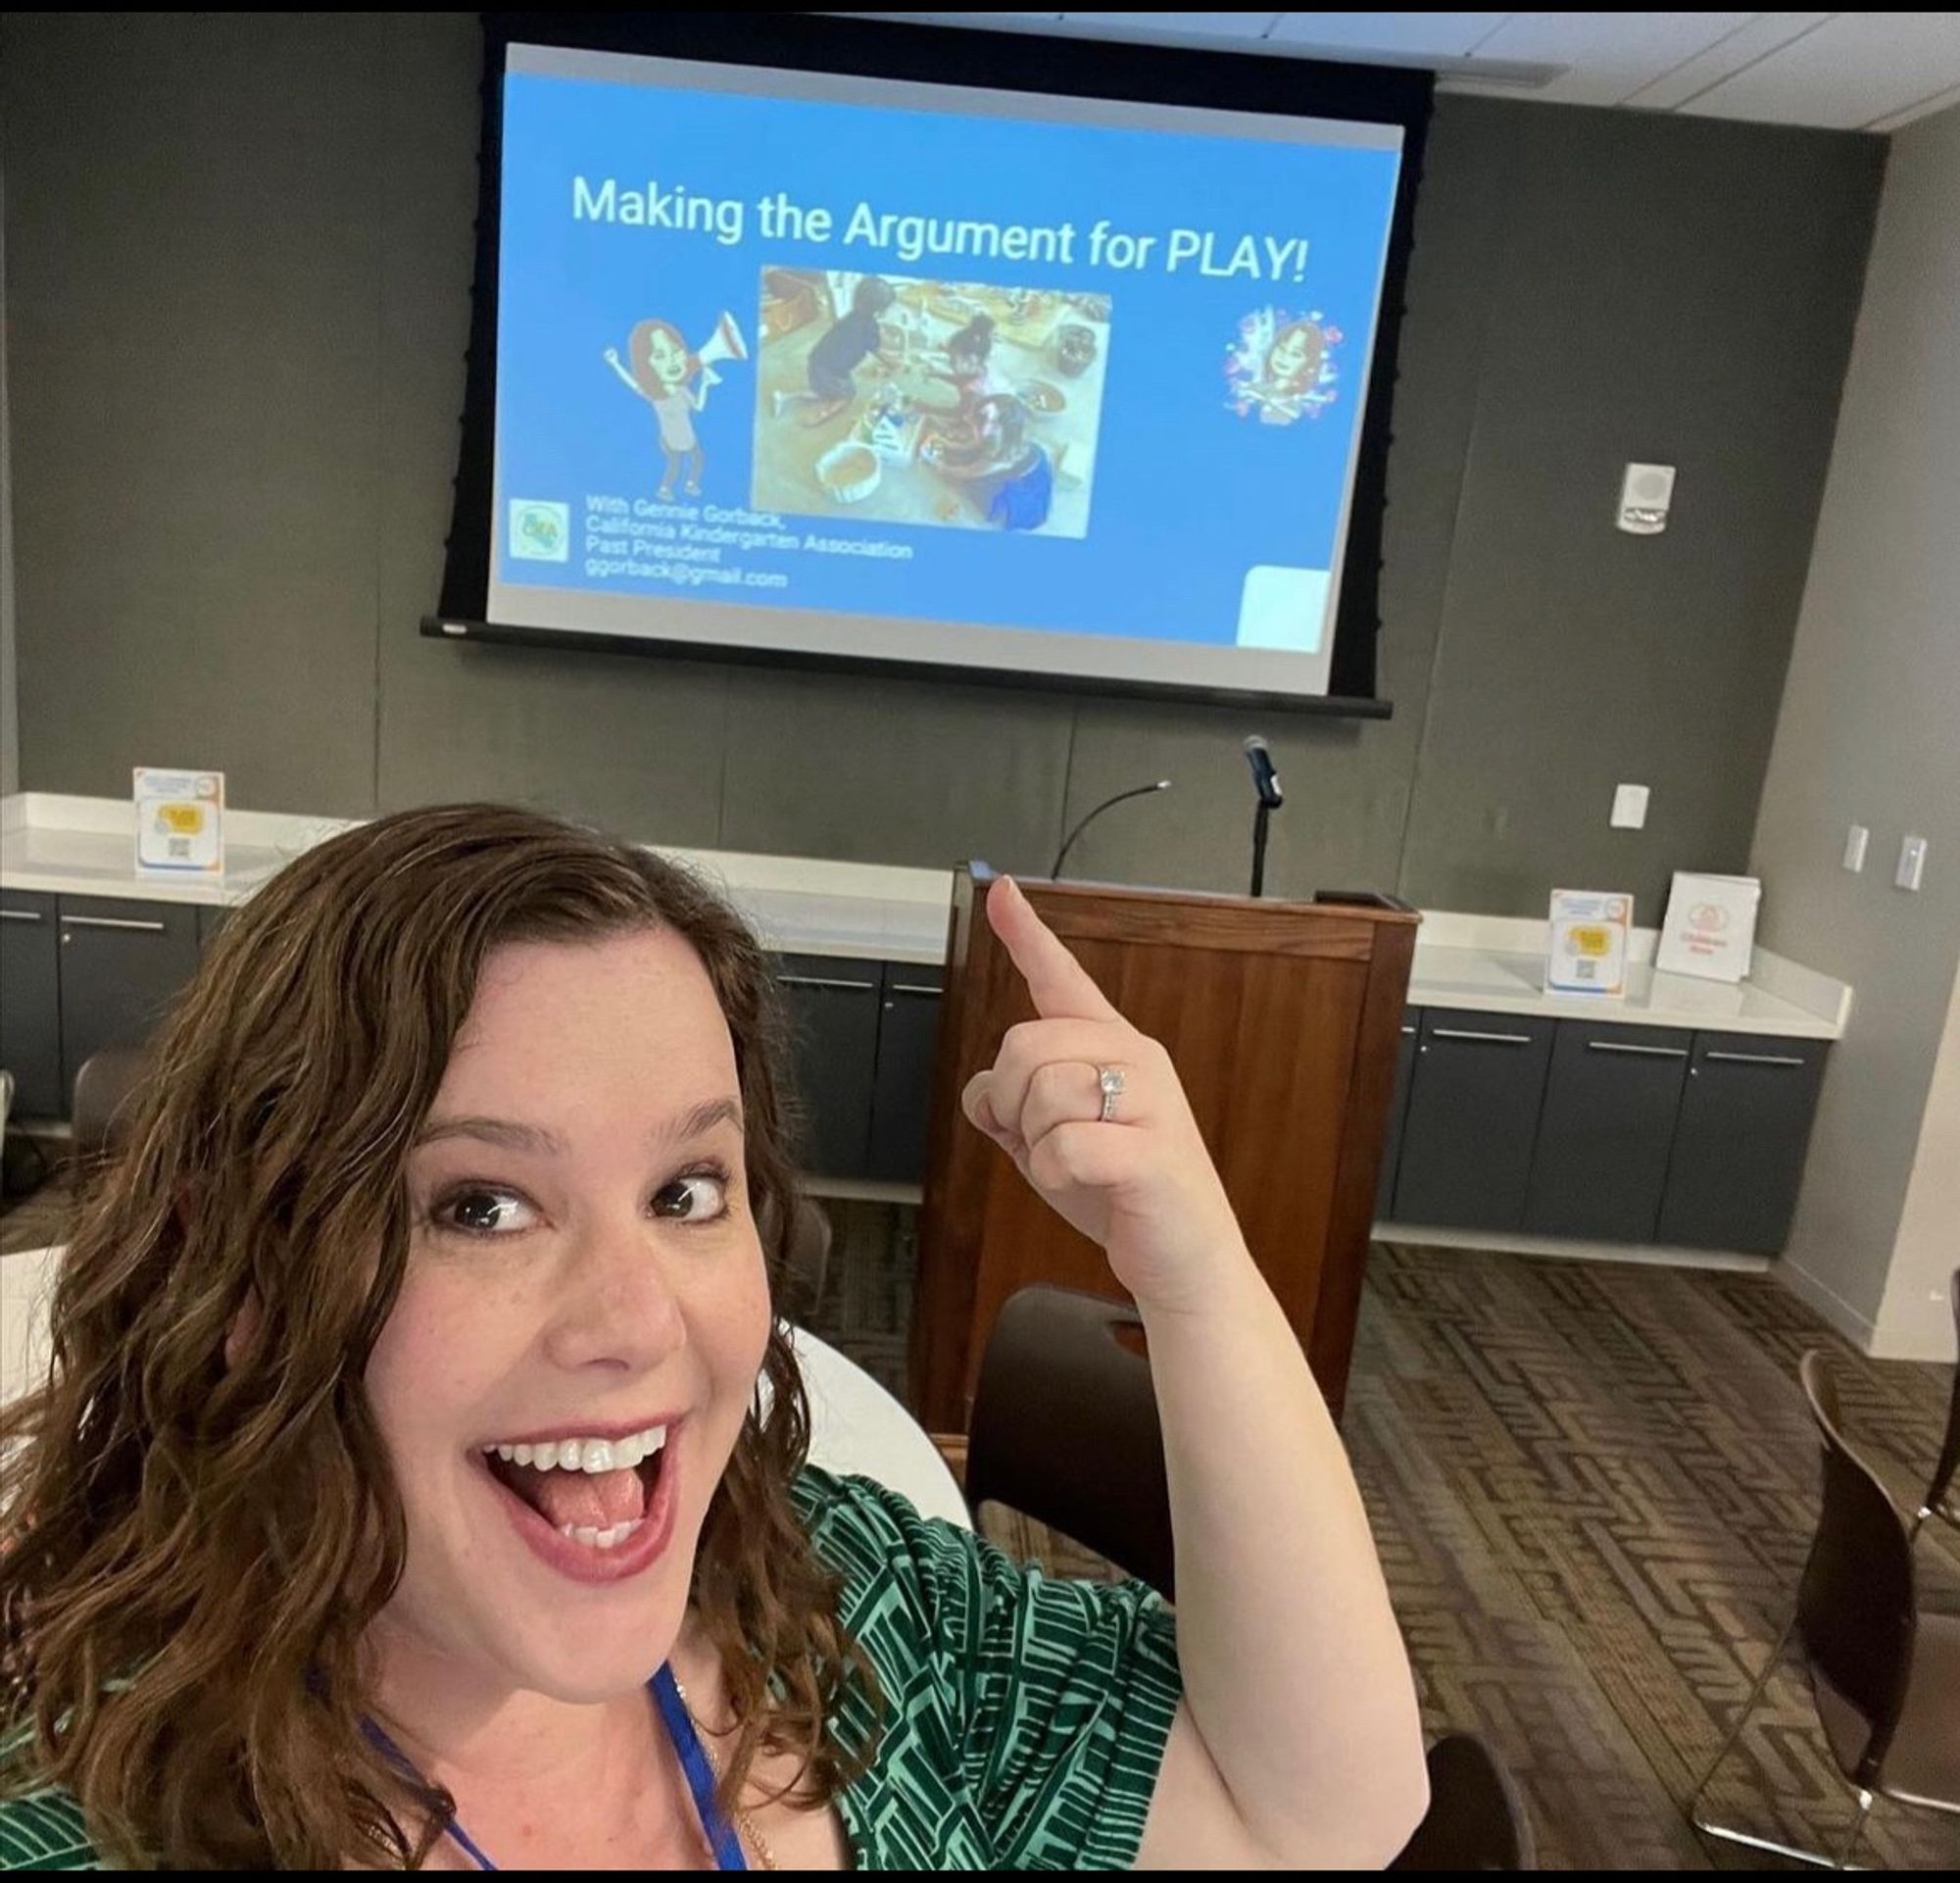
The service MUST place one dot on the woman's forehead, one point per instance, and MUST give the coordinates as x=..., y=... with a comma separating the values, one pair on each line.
x=582, y=1014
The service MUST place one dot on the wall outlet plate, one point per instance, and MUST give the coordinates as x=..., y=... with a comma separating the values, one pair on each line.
x=1630, y=807
x=1646, y=493
x=1856, y=841
x=1911, y=863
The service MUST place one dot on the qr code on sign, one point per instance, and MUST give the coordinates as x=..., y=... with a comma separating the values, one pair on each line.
x=1585, y=970
x=179, y=846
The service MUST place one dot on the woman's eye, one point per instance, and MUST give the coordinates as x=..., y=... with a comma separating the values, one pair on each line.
x=485, y=1213
x=696, y=1198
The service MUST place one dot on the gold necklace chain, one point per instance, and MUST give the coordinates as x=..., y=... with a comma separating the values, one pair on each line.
x=743, y=1821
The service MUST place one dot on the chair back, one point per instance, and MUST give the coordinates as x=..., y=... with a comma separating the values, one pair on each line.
x=1476, y=1820
x=1066, y=1430
x=102, y=1089
x=1856, y=1605
x=806, y=1261
x=1949, y=1452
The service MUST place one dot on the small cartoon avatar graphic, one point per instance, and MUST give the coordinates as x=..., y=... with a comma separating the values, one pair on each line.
x=675, y=382
x=1282, y=367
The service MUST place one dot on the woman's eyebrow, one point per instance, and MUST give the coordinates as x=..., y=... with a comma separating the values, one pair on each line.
x=512, y=1136
x=704, y=1117
x=501, y=1131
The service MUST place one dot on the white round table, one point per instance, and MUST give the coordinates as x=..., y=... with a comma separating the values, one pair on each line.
x=855, y=1426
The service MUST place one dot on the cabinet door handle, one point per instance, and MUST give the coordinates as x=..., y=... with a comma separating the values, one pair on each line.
x=112, y=921
x=1755, y=1059
x=821, y=980
x=1491, y=1039
x=1407, y=1030
x=1626, y=1046
x=19, y=914
x=916, y=987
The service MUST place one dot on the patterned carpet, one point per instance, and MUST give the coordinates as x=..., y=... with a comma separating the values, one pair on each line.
x=1592, y=1487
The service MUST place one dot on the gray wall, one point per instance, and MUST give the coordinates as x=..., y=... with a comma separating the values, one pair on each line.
x=1867, y=736
x=241, y=253
x=10, y=712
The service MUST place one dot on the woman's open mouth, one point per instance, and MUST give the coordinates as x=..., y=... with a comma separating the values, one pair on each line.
x=596, y=1509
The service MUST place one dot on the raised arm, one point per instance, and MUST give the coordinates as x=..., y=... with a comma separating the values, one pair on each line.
x=1298, y=1742
x=618, y=365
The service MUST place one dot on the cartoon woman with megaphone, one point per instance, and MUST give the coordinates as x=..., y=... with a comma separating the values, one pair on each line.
x=664, y=373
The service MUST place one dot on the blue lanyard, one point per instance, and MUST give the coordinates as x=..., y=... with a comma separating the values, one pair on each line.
x=721, y=1837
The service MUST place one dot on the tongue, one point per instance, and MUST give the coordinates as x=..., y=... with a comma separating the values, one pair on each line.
x=597, y=1499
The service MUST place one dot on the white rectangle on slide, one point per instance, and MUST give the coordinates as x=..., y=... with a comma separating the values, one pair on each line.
x=1282, y=607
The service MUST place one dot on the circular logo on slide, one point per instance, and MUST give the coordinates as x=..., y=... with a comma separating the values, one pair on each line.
x=1281, y=367
x=540, y=533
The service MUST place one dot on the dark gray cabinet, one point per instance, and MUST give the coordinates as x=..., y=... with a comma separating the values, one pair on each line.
x=30, y=1001
x=121, y=964
x=1392, y=1136
x=901, y=1087
x=833, y=1008
x=1473, y=1111
x=1610, y=1106
x=210, y=917
x=1738, y=1142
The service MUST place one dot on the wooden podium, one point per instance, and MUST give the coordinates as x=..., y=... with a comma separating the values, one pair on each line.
x=1283, y=1019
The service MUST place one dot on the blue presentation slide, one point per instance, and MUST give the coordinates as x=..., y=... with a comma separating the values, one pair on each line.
x=958, y=368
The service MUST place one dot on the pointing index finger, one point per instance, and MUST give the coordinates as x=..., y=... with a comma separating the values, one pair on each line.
x=1060, y=986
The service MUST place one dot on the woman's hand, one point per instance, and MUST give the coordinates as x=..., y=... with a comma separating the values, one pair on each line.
x=1141, y=1184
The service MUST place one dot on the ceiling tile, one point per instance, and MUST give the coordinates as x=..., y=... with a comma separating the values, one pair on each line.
x=1856, y=70
x=1761, y=36
x=1611, y=54
x=1442, y=35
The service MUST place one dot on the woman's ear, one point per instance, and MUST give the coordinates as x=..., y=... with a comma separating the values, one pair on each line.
x=244, y=1329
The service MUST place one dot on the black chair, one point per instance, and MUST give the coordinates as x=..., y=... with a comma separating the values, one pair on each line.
x=102, y=1091
x=1940, y=1500
x=1476, y=1819
x=805, y=1263
x=1886, y=1678
x=1065, y=1431
x=1064, y=1428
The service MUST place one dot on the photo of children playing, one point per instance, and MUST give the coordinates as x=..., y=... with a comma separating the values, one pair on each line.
x=928, y=402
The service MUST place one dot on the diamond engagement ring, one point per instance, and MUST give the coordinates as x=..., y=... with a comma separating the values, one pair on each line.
x=1111, y=1079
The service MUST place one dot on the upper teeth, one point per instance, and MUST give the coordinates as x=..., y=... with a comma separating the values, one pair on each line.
x=586, y=1454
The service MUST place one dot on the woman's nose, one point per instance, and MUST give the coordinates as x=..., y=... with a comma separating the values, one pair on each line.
x=616, y=1306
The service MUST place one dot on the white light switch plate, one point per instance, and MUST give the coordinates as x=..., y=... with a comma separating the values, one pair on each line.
x=1912, y=863
x=1856, y=841
x=1630, y=808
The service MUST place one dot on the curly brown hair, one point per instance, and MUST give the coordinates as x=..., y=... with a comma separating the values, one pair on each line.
x=195, y=1549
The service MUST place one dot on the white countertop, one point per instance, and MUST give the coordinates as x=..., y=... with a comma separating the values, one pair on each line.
x=86, y=847
x=1493, y=981
x=808, y=906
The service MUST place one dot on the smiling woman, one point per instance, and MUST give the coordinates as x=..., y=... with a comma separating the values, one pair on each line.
x=420, y=1477
x=470, y=1129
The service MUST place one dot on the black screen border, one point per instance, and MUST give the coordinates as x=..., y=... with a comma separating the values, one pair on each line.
x=1041, y=64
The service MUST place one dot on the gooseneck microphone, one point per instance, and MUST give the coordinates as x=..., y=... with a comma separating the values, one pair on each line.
x=1266, y=782
x=1135, y=791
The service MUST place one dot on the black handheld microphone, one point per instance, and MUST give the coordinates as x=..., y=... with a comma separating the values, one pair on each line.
x=1136, y=791
x=1265, y=780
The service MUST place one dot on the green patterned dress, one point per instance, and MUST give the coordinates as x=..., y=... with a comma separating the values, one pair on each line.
x=1025, y=1716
